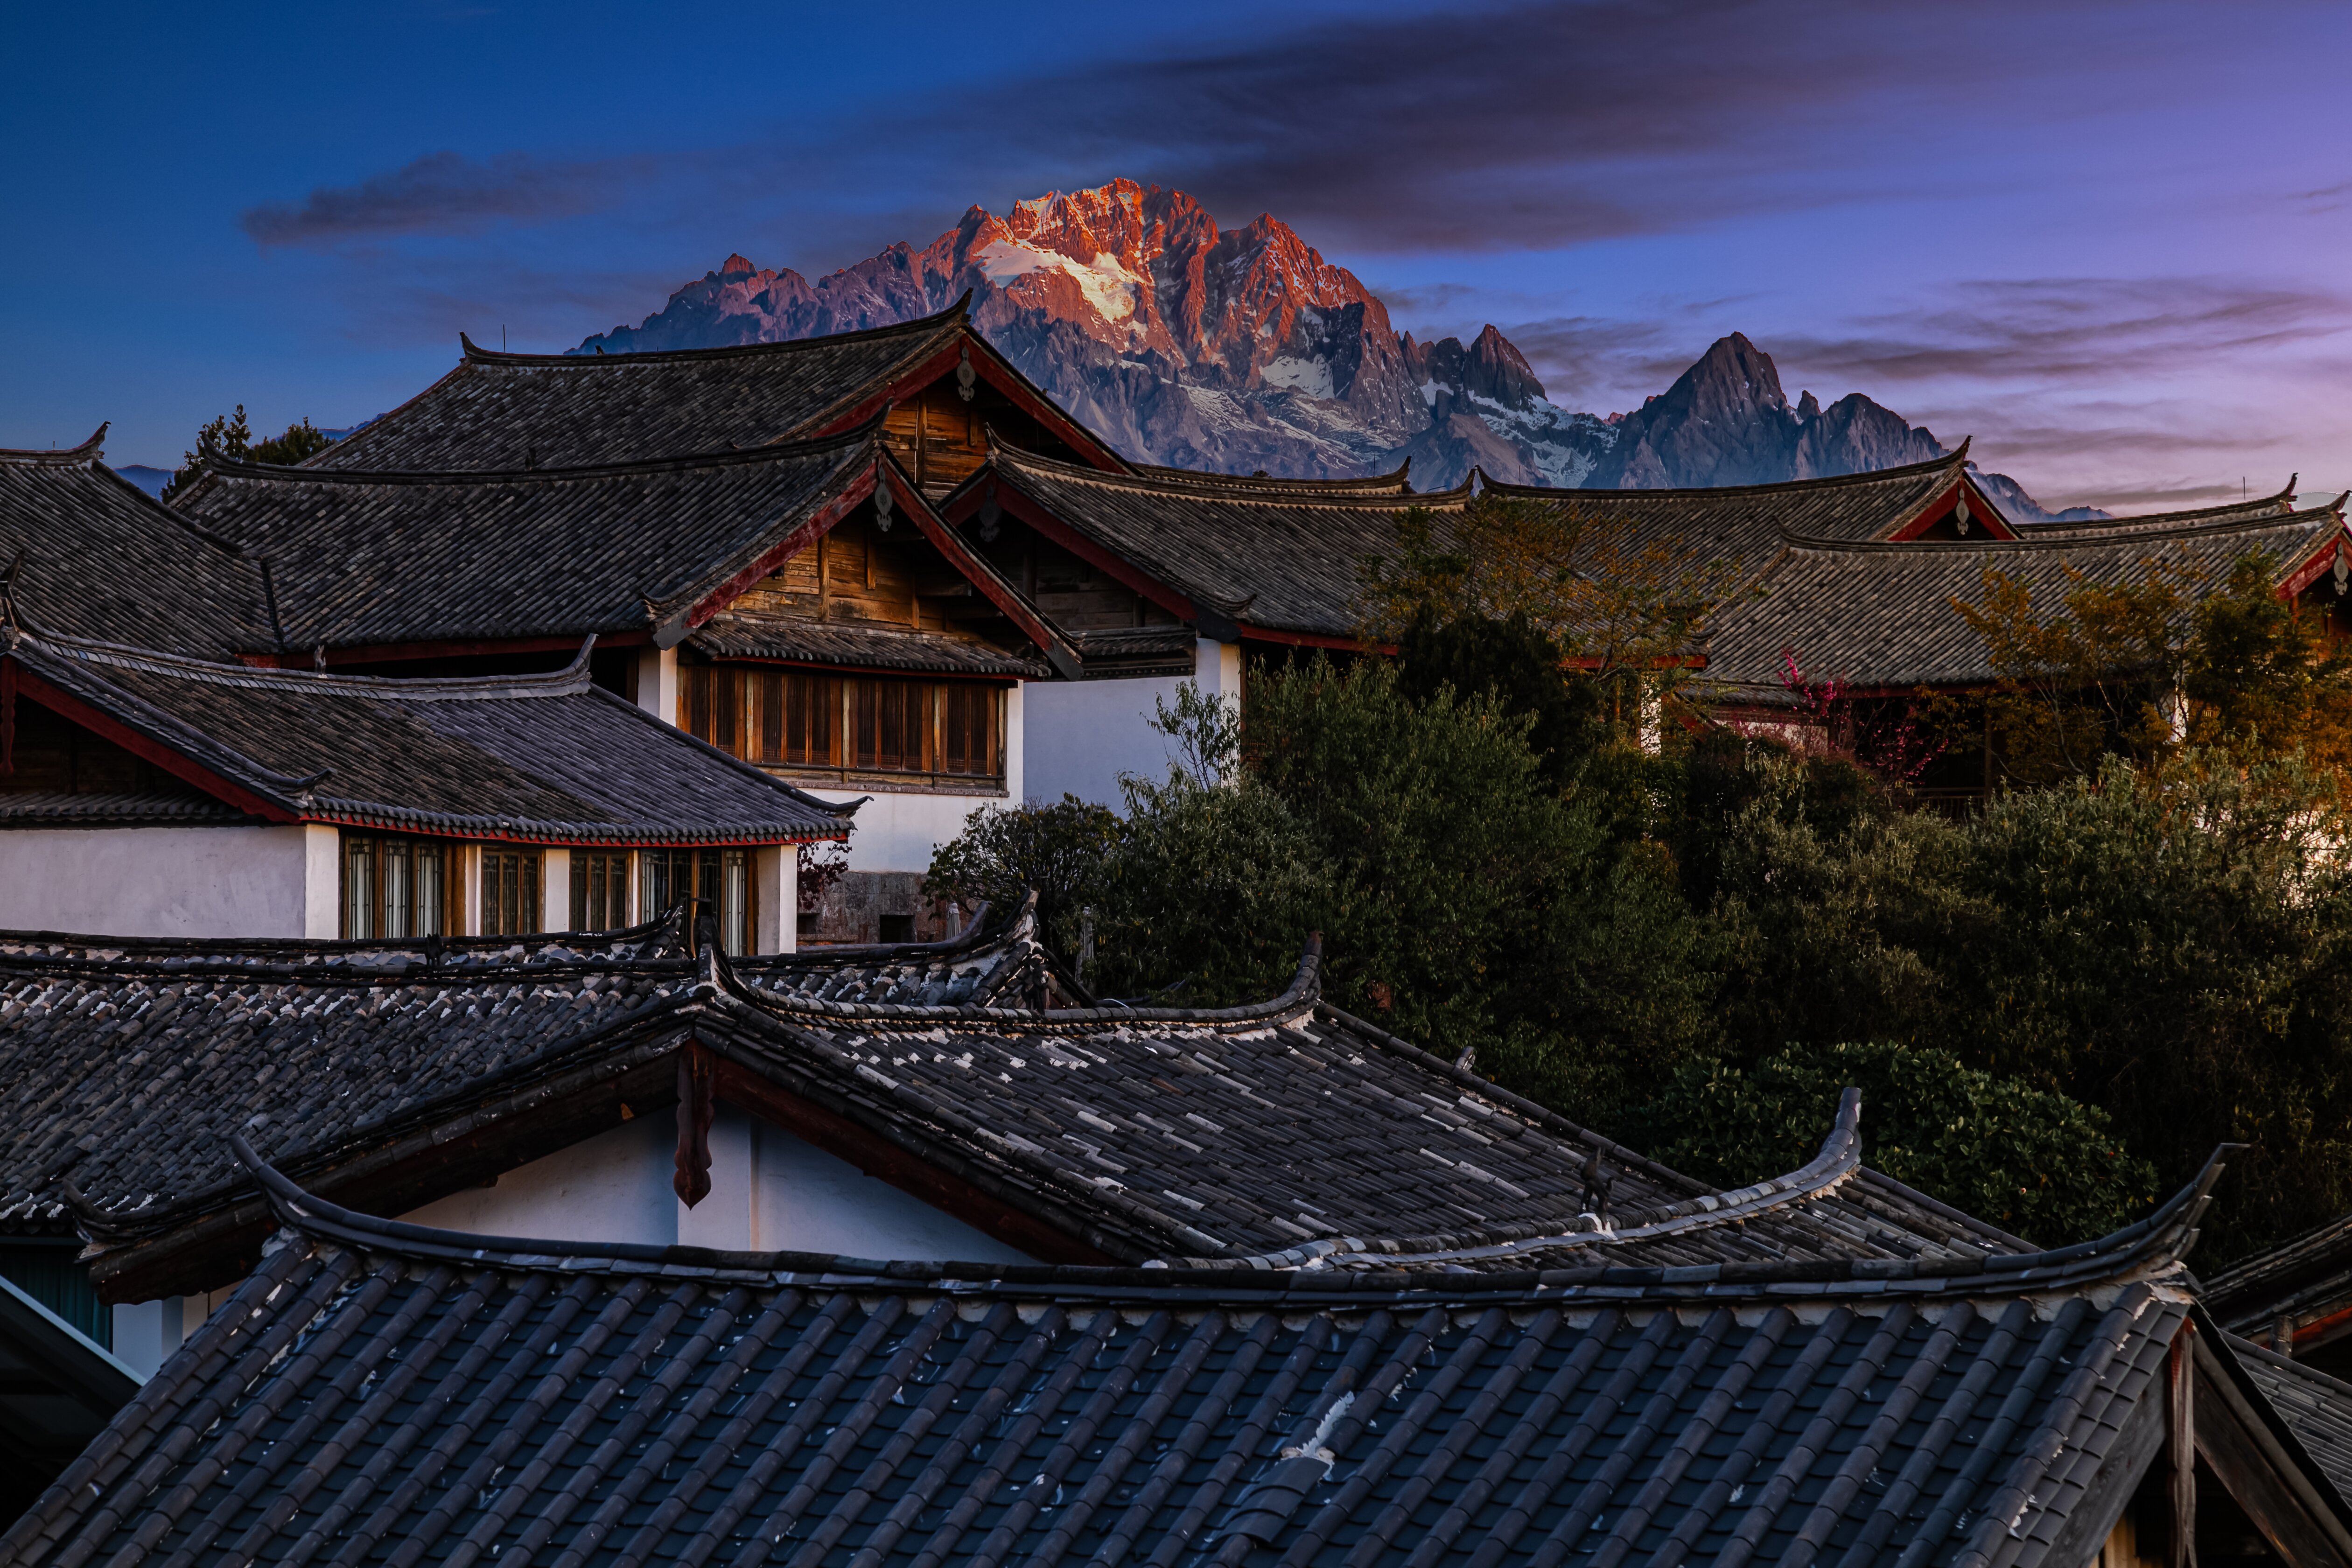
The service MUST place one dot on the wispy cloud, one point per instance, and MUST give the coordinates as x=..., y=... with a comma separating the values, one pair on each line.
x=440, y=193
x=2073, y=331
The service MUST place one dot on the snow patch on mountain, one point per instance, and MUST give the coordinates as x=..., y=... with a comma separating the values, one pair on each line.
x=1184, y=342
x=1108, y=287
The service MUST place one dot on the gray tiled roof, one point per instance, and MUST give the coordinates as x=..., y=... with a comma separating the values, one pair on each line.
x=388, y=558
x=377, y=1387
x=123, y=808
x=551, y=759
x=1881, y=615
x=1206, y=1138
x=1397, y=482
x=2316, y=1408
x=2305, y=1278
x=2191, y=517
x=500, y=411
x=753, y=634
x=104, y=559
x=1283, y=558
x=1742, y=526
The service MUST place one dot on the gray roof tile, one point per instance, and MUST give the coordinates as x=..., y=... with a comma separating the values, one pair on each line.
x=546, y=758
x=375, y=1385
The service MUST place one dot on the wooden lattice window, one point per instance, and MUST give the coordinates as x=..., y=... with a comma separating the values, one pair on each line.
x=511, y=905
x=394, y=889
x=849, y=724
x=600, y=889
x=720, y=880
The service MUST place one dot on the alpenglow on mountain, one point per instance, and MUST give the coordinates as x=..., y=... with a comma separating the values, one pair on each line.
x=1240, y=349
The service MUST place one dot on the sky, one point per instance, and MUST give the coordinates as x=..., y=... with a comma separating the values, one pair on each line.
x=2105, y=240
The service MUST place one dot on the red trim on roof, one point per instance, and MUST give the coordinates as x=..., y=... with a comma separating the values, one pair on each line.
x=1033, y=513
x=887, y=671
x=1311, y=640
x=950, y=544
x=147, y=749
x=992, y=368
x=1981, y=510
x=860, y=485
x=2313, y=566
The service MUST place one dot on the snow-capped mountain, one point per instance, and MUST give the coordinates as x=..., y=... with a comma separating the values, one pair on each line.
x=1244, y=349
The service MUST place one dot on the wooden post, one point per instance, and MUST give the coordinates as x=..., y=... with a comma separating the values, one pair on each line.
x=2180, y=1372
x=695, y=1106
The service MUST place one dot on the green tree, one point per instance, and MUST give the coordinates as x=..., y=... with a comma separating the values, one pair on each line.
x=1059, y=850
x=2168, y=944
x=2033, y=1162
x=229, y=438
x=2167, y=660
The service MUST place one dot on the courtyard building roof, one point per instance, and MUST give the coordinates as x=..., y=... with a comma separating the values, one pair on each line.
x=84, y=552
x=1884, y=615
x=497, y=411
x=377, y=1385
x=549, y=759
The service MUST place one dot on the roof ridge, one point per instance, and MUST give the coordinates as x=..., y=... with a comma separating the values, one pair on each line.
x=1956, y=458
x=89, y=451
x=916, y=326
x=2032, y=544
x=733, y=457
x=1001, y=451
x=1399, y=475
x=2149, y=1249
x=573, y=678
x=2280, y=501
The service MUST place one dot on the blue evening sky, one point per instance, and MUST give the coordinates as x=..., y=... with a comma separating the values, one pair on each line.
x=2106, y=239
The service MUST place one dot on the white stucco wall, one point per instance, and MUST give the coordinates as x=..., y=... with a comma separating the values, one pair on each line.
x=1083, y=734
x=805, y=1200
x=615, y=1186
x=770, y=1192
x=170, y=881
x=897, y=830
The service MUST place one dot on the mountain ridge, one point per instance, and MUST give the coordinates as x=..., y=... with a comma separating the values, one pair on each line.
x=1192, y=346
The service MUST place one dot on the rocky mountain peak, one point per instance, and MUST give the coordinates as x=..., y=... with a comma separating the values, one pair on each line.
x=1188, y=344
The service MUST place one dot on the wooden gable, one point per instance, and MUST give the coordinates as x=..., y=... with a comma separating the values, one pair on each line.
x=860, y=572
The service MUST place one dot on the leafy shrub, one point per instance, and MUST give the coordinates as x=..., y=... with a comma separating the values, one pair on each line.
x=2046, y=1167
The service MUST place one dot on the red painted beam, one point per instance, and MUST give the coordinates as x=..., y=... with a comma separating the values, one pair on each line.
x=949, y=543
x=109, y=728
x=860, y=485
x=1312, y=640
x=1050, y=527
x=886, y=671
x=1981, y=511
x=885, y=1160
x=2314, y=565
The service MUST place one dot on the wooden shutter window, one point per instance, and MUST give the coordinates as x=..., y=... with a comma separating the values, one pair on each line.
x=511, y=892
x=600, y=889
x=394, y=889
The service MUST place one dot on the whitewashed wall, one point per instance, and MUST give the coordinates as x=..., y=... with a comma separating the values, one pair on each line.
x=770, y=1192
x=897, y=830
x=172, y=881
x=1083, y=734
